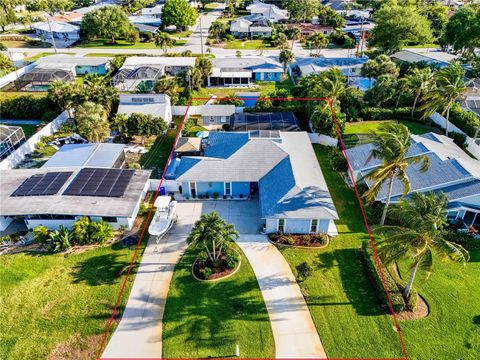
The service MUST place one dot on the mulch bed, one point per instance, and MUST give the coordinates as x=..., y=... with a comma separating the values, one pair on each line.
x=308, y=240
x=219, y=269
x=421, y=310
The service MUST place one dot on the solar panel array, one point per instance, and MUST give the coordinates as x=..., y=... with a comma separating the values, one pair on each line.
x=42, y=184
x=283, y=121
x=100, y=182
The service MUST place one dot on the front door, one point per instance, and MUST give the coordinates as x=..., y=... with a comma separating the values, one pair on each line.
x=193, y=190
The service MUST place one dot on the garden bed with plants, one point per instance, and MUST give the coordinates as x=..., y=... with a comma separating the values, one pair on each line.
x=207, y=270
x=300, y=240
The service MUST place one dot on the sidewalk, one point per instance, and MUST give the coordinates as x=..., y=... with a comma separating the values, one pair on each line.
x=293, y=328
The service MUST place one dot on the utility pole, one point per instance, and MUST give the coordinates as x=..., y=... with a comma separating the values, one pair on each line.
x=201, y=34
x=51, y=34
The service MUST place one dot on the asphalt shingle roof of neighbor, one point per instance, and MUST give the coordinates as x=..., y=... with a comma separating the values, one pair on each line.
x=59, y=204
x=440, y=172
x=290, y=179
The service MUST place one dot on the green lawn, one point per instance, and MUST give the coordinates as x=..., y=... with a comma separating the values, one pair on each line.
x=452, y=330
x=246, y=45
x=122, y=44
x=25, y=44
x=57, y=301
x=208, y=319
x=157, y=155
x=341, y=300
x=29, y=129
x=366, y=127
x=39, y=55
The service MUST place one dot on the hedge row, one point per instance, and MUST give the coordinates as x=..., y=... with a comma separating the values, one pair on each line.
x=465, y=120
x=377, y=113
x=374, y=275
x=28, y=107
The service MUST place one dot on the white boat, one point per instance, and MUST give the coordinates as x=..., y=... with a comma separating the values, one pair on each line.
x=164, y=217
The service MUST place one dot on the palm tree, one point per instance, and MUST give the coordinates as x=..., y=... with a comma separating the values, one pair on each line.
x=319, y=41
x=164, y=41
x=97, y=89
x=167, y=85
x=420, y=81
x=333, y=84
x=217, y=29
x=391, y=145
x=65, y=94
x=449, y=85
x=213, y=234
x=295, y=34
x=421, y=219
x=281, y=41
x=91, y=121
x=286, y=57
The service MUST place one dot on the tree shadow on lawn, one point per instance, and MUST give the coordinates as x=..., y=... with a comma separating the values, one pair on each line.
x=204, y=311
x=102, y=269
x=355, y=283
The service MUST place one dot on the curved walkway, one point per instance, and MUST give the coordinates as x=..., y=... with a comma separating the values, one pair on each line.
x=293, y=328
x=139, y=334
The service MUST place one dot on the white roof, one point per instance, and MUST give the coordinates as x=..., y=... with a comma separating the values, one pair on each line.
x=74, y=60
x=135, y=61
x=103, y=155
x=56, y=26
x=153, y=10
x=154, y=109
x=217, y=110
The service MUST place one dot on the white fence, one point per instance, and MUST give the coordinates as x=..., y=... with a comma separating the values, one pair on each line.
x=472, y=146
x=169, y=185
x=28, y=147
x=322, y=139
x=7, y=79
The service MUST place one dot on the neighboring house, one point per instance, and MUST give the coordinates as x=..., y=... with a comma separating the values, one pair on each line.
x=437, y=58
x=243, y=71
x=314, y=65
x=83, y=65
x=269, y=11
x=149, y=104
x=145, y=20
x=216, y=116
x=146, y=70
x=451, y=171
x=42, y=75
x=60, y=30
x=94, y=155
x=188, y=146
x=282, y=170
x=60, y=196
x=155, y=11
x=11, y=137
x=250, y=26
x=307, y=29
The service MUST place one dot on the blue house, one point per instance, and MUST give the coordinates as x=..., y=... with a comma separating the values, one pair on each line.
x=243, y=71
x=451, y=171
x=280, y=169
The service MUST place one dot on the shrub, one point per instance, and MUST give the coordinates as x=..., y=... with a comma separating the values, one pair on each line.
x=202, y=256
x=458, y=138
x=466, y=121
x=215, y=195
x=373, y=274
x=232, y=258
x=384, y=113
x=60, y=240
x=86, y=231
x=304, y=271
x=288, y=240
x=467, y=241
x=40, y=234
x=337, y=160
x=27, y=107
x=206, y=272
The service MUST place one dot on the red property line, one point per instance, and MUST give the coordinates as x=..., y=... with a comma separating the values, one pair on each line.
x=367, y=227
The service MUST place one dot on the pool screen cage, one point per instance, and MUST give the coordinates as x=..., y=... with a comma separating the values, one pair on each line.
x=282, y=121
x=42, y=77
x=137, y=75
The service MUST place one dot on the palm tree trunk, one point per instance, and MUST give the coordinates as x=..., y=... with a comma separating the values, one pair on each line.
x=447, y=121
x=209, y=254
x=293, y=42
x=384, y=214
x=214, y=256
x=414, y=104
x=413, y=272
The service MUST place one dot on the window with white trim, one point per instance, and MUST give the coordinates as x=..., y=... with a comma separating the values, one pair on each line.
x=281, y=225
x=228, y=188
x=314, y=225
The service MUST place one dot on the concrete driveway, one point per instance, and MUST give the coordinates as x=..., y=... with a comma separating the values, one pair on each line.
x=139, y=334
x=293, y=329
x=244, y=214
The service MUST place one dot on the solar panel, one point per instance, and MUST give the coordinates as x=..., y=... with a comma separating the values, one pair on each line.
x=43, y=184
x=100, y=182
